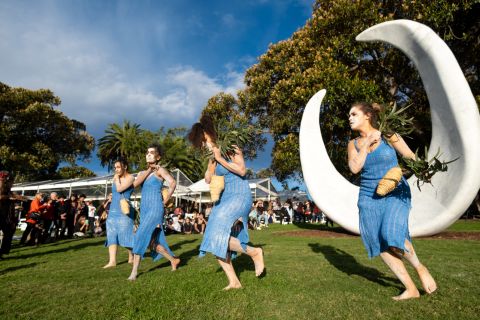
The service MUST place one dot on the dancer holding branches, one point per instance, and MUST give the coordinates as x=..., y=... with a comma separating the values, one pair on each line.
x=226, y=233
x=384, y=219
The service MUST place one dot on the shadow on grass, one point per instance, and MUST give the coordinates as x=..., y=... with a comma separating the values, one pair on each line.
x=24, y=266
x=347, y=264
x=79, y=246
x=322, y=227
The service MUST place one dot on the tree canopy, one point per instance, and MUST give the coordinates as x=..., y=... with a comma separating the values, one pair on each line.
x=35, y=137
x=324, y=55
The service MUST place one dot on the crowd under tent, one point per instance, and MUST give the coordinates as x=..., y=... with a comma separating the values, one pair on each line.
x=95, y=188
x=261, y=189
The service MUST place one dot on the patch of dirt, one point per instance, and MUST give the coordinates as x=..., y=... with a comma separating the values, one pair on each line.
x=456, y=235
x=449, y=235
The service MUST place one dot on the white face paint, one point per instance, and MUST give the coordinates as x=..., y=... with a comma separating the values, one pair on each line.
x=151, y=155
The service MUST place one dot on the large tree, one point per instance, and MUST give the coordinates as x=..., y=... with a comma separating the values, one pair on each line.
x=35, y=137
x=127, y=141
x=324, y=54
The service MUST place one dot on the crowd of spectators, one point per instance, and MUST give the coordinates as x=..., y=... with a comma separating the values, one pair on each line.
x=54, y=217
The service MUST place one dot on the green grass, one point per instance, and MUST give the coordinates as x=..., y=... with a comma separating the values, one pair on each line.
x=308, y=278
x=465, y=225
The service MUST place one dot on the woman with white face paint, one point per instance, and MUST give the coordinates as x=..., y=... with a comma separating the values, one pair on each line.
x=119, y=225
x=152, y=212
x=384, y=219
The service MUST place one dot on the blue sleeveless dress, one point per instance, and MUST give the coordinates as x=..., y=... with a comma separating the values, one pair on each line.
x=235, y=202
x=151, y=215
x=383, y=220
x=119, y=225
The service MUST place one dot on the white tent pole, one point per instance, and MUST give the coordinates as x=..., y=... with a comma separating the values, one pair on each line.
x=106, y=188
x=70, y=191
x=268, y=189
x=200, y=204
x=176, y=192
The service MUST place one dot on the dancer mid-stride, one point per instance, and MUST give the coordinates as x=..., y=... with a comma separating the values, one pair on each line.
x=119, y=225
x=384, y=220
x=227, y=228
x=152, y=212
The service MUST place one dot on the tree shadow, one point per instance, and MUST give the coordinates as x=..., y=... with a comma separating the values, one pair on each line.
x=178, y=245
x=347, y=264
x=81, y=245
x=10, y=269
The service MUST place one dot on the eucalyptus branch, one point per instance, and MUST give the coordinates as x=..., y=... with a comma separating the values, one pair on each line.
x=425, y=169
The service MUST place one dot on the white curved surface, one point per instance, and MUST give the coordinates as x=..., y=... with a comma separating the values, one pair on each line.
x=455, y=129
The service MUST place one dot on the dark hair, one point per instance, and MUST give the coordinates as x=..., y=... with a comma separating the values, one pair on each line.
x=196, y=134
x=122, y=161
x=372, y=109
x=157, y=147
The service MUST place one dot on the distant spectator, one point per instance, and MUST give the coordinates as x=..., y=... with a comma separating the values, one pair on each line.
x=188, y=226
x=91, y=215
x=81, y=227
x=199, y=224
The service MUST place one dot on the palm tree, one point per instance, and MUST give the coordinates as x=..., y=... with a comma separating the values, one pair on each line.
x=127, y=141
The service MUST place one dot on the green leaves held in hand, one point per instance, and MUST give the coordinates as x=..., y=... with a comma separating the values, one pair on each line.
x=391, y=121
x=425, y=169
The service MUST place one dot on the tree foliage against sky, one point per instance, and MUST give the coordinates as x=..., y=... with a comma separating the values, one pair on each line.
x=35, y=137
x=324, y=55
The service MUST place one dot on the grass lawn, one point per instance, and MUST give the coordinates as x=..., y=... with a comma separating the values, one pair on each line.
x=308, y=278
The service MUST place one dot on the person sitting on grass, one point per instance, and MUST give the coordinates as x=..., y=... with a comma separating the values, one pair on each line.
x=188, y=226
x=200, y=224
x=81, y=227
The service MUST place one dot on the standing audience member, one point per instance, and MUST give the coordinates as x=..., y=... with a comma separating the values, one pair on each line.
x=91, y=215
x=8, y=219
x=33, y=217
x=62, y=217
x=71, y=210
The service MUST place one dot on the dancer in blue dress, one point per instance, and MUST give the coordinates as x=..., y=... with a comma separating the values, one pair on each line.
x=119, y=225
x=384, y=220
x=227, y=229
x=152, y=212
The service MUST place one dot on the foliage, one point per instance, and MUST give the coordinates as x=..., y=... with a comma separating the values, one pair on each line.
x=425, y=169
x=324, y=55
x=233, y=126
x=130, y=142
x=35, y=137
x=393, y=121
x=74, y=172
x=125, y=141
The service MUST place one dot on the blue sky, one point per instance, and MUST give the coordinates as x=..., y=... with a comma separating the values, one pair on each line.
x=155, y=63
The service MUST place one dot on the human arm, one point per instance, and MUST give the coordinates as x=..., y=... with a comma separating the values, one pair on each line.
x=127, y=182
x=210, y=170
x=356, y=159
x=237, y=165
x=401, y=146
x=142, y=176
x=165, y=175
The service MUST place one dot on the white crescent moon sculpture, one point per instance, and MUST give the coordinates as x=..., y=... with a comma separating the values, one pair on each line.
x=455, y=130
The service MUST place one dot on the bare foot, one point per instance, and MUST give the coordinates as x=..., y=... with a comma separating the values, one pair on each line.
x=427, y=280
x=232, y=286
x=132, y=277
x=258, y=261
x=407, y=294
x=109, y=265
x=175, y=263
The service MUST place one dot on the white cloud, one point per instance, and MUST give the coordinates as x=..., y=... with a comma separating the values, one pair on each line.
x=82, y=70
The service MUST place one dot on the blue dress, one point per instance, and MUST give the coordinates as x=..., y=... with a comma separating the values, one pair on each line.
x=235, y=202
x=383, y=220
x=151, y=215
x=119, y=225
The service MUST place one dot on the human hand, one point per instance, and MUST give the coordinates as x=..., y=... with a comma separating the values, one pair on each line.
x=216, y=153
x=373, y=137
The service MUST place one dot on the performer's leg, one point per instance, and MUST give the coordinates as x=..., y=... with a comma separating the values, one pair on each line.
x=112, y=256
x=130, y=256
x=255, y=253
x=426, y=278
x=136, y=263
x=233, y=282
x=396, y=265
x=174, y=261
